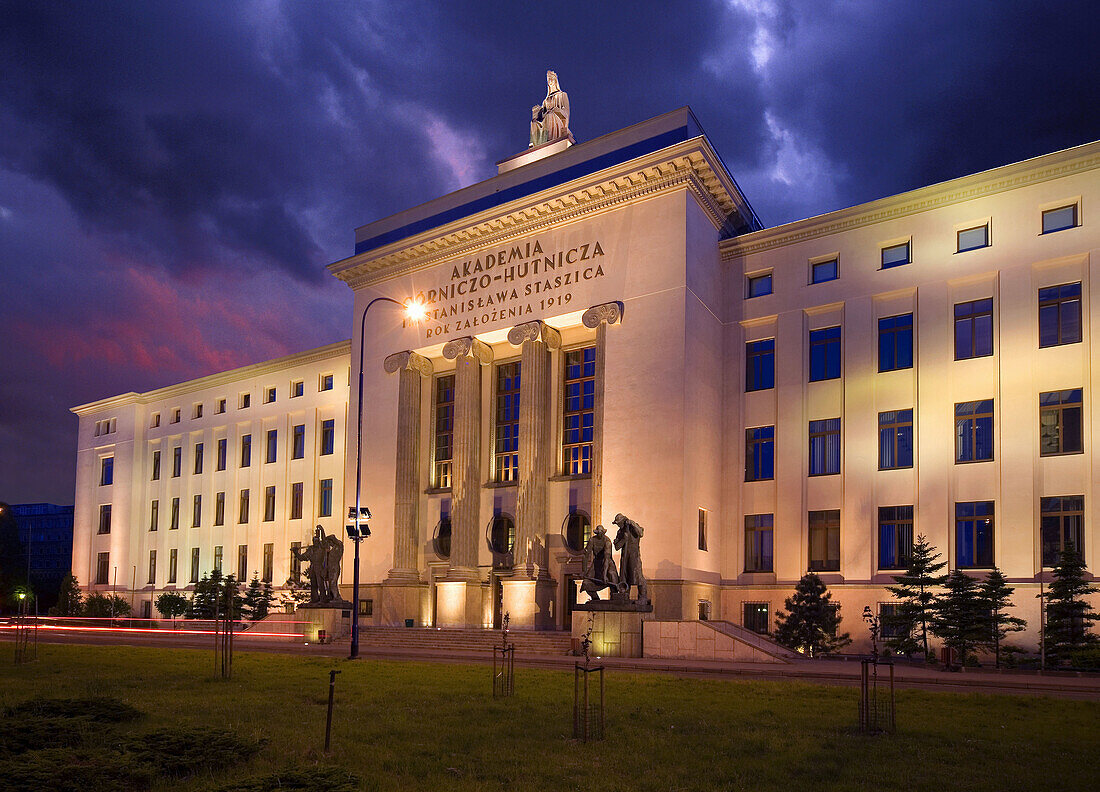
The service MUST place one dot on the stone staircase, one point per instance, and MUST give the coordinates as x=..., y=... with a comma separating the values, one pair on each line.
x=429, y=639
x=755, y=640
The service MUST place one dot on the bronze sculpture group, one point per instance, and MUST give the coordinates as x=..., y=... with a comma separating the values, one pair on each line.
x=600, y=571
x=325, y=556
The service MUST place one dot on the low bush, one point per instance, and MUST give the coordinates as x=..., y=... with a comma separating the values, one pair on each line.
x=60, y=770
x=315, y=779
x=96, y=710
x=181, y=751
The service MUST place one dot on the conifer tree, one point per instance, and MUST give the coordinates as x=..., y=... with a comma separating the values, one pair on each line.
x=811, y=623
x=916, y=600
x=995, y=593
x=70, y=602
x=257, y=599
x=1068, y=611
x=960, y=617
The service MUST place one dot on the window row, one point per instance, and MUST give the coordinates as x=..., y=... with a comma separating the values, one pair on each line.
x=1059, y=324
x=297, y=449
x=266, y=573
x=324, y=506
x=244, y=400
x=897, y=254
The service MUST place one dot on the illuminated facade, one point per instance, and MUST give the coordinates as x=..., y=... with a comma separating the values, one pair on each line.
x=611, y=329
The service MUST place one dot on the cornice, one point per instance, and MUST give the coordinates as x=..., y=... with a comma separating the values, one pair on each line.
x=991, y=182
x=691, y=165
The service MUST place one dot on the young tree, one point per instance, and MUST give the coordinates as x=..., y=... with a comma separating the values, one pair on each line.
x=257, y=599
x=70, y=602
x=994, y=593
x=960, y=618
x=1068, y=610
x=812, y=620
x=172, y=604
x=916, y=600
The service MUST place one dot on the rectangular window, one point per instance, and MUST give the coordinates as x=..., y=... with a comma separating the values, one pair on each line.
x=269, y=395
x=176, y=415
x=269, y=561
x=105, y=519
x=895, y=255
x=156, y=466
x=295, y=562
x=194, y=565
x=107, y=471
x=442, y=449
x=972, y=238
x=506, y=425
x=297, y=388
x=758, y=543
x=754, y=616
x=155, y=422
x=760, y=453
x=825, y=447
x=196, y=511
x=974, y=535
x=895, y=439
x=296, y=500
x=760, y=365
x=974, y=329
x=242, y=562
x=824, y=271
x=244, y=400
x=219, y=406
x=242, y=516
x=246, y=450
x=758, y=285
x=1060, y=422
x=177, y=461
x=174, y=522
x=219, y=508
x=895, y=342
x=825, y=541
x=1059, y=219
x=198, y=458
x=1060, y=315
x=578, y=411
x=218, y=558
x=152, y=567
x=890, y=626
x=702, y=529
x=196, y=411
x=895, y=536
x=102, y=567
x=324, y=500
x=974, y=431
x=298, y=442
x=328, y=436
x=223, y=446
x=1063, y=526
x=824, y=354
x=173, y=560
x=326, y=382
x=154, y=515
x=272, y=445
x=269, y=504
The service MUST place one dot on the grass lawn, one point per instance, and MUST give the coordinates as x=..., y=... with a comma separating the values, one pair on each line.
x=401, y=726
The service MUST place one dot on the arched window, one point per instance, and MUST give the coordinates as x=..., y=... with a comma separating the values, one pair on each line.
x=442, y=540
x=576, y=531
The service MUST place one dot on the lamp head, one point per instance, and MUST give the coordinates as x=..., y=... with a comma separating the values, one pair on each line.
x=415, y=310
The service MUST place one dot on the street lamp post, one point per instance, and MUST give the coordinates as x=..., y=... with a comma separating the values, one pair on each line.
x=358, y=531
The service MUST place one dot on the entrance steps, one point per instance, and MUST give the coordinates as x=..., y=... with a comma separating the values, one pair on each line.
x=528, y=642
x=711, y=640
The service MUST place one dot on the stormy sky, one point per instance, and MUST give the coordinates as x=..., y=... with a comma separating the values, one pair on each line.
x=174, y=176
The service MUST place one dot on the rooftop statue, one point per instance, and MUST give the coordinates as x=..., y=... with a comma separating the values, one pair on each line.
x=550, y=120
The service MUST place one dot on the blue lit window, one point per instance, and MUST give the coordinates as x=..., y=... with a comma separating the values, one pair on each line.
x=825, y=447
x=758, y=543
x=1060, y=315
x=895, y=439
x=824, y=354
x=760, y=453
x=824, y=271
x=973, y=238
x=974, y=431
x=974, y=534
x=759, y=285
x=895, y=536
x=895, y=255
x=1059, y=219
x=974, y=329
x=760, y=365
x=895, y=342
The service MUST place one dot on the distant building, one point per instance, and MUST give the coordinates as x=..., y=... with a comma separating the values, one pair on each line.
x=46, y=532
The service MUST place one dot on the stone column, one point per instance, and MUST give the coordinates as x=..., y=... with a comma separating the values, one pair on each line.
x=464, y=608
x=599, y=317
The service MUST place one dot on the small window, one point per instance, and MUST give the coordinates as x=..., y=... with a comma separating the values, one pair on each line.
x=154, y=515
x=298, y=442
x=704, y=610
x=326, y=382
x=105, y=519
x=246, y=450
x=269, y=504
x=324, y=506
x=198, y=458
x=242, y=515
x=223, y=445
x=702, y=529
x=972, y=238
x=196, y=512
x=1059, y=219
x=174, y=522
x=272, y=445
x=196, y=411
x=824, y=271
x=244, y=400
x=296, y=500
x=219, y=508
x=328, y=436
x=177, y=461
x=755, y=617
x=895, y=255
x=297, y=388
x=219, y=406
x=155, y=422
x=366, y=607
x=102, y=566
x=759, y=285
x=892, y=624
x=269, y=395
x=106, y=471
x=176, y=415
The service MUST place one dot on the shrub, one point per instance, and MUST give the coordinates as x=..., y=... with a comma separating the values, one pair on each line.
x=103, y=605
x=96, y=710
x=181, y=751
x=60, y=770
x=315, y=779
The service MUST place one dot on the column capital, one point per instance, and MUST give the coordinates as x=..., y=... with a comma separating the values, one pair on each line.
x=407, y=360
x=534, y=331
x=611, y=312
x=468, y=346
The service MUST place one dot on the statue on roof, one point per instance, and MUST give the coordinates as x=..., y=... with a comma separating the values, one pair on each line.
x=550, y=120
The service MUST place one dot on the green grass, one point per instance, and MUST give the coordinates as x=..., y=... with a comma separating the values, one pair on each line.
x=401, y=726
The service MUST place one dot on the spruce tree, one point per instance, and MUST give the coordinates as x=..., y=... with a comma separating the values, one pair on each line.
x=811, y=623
x=995, y=593
x=257, y=599
x=1068, y=611
x=70, y=602
x=960, y=616
x=916, y=600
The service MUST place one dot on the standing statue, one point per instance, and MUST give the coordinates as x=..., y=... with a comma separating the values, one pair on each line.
x=324, y=556
x=550, y=120
x=334, y=554
x=599, y=565
x=627, y=540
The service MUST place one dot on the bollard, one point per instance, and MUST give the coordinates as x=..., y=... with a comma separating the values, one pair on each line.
x=328, y=721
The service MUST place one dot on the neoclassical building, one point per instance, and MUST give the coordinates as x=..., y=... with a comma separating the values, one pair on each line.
x=610, y=328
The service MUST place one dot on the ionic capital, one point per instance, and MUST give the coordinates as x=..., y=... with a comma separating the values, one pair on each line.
x=611, y=312
x=407, y=360
x=468, y=346
x=534, y=331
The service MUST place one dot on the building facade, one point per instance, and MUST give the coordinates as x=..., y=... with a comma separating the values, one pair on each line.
x=46, y=533
x=611, y=329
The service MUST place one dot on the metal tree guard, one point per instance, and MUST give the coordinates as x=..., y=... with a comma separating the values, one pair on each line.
x=504, y=664
x=588, y=711
x=876, y=695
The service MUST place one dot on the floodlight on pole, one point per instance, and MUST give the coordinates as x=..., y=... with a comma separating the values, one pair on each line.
x=415, y=311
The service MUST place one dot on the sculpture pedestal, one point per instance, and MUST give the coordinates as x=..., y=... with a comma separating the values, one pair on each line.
x=527, y=602
x=459, y=603
x=615, y=632
x=333, y=618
